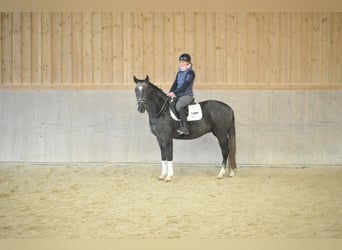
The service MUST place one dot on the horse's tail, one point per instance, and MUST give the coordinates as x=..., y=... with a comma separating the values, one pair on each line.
x=232, y=145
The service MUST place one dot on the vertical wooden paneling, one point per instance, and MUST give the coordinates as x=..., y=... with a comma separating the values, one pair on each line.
x=337, y=41
x=148, y=44
x=158, y=59
x=253, y=47
x=87, y=47
x=232, y=45
x=326, y=48
x=316, y=52
x=56, y=43
x=221, y=48
x=330, y=48
x=46, y=48
x=118, y=45
x=306, y=48
x=295, y=48
x=107, y=47
x=179, y=33
x=189, y=34
x=26, y=47
x=77, y=53
x=67, y=48
x=339, y=49
x=36, y=56
x=200, y=48
x=138, y=44
x=128, y=47
x=1, y=49
x=169, y=57
x=210, y=48
x=227, y=48
x=97, y=47
x=17, y=48
x=263, y=48
x=273, y=44
x=6, y=47
x=284, y=47
x=242, y=48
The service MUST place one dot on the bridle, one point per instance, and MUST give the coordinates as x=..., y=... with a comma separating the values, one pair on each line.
x=144, y=101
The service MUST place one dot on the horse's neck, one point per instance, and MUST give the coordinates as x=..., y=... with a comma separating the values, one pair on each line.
x=156, y=104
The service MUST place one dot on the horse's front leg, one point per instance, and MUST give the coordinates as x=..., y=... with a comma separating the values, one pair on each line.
x=166, y=150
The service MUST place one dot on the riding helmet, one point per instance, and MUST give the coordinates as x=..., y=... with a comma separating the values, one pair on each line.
x=185, y=57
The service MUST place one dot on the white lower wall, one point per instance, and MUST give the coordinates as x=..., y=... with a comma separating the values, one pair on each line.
x=273, y=127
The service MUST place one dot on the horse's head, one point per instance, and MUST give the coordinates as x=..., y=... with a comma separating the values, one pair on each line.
x=141, y=93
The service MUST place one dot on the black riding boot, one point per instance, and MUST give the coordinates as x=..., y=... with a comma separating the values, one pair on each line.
x=184, y=126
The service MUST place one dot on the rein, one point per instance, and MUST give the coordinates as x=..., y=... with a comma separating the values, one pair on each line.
x=163, y=107
x=145, y=101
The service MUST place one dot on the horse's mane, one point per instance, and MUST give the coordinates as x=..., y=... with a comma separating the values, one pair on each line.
x=156, y=88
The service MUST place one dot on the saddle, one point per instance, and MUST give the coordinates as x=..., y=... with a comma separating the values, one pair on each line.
x=193, y=111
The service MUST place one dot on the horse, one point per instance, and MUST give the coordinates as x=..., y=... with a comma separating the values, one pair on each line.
x=217, y=118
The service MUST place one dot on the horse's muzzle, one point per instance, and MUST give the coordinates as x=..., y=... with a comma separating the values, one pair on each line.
x=141, y=107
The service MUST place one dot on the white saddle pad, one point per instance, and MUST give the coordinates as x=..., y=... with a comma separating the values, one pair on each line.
x=195, y=113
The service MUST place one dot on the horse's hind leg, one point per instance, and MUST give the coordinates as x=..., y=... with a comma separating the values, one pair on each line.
x=223, y=141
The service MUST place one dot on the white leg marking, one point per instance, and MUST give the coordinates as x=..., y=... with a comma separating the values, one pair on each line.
x=164, y=170
x=169, y=171
x=221, y=174
x=231, y=173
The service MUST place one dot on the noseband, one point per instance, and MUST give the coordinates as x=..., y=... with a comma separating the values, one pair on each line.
x=142, y=101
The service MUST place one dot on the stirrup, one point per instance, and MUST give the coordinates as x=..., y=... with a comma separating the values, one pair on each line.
x=181, y=132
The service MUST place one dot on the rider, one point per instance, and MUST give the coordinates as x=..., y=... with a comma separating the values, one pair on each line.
x=182, y=89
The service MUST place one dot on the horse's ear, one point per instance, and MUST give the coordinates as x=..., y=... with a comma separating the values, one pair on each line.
x=135, y=79
x=147, y=79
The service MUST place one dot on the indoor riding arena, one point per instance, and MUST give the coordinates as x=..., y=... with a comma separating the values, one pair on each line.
x=78, y=161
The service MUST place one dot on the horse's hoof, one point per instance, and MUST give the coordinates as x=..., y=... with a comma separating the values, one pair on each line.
x=162, y=177
x=168, y=178
x=231, y=174
x=219, y=177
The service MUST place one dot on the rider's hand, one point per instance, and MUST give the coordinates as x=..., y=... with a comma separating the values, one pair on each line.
x=171, y=94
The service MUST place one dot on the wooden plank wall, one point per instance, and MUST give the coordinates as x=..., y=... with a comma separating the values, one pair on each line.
x=251, y=50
